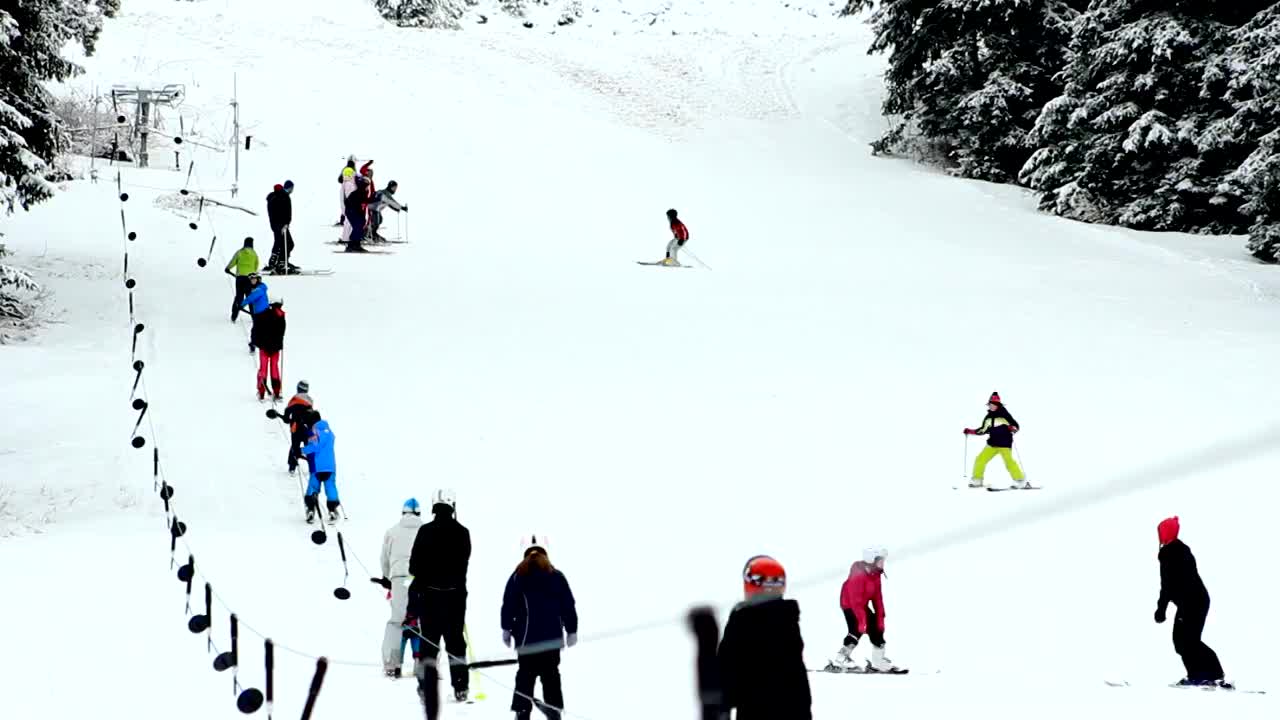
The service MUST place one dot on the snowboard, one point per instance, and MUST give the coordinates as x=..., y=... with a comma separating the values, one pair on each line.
x=1221, y=688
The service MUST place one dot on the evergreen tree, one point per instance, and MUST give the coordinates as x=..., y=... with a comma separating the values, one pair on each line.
x=32, y=36
x=1134, y=138
x=967, y=78
x=1247, y=73
x=441, y=14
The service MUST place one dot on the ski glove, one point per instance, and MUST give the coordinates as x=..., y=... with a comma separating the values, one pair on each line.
x=384, y=582
x=572, y=639
x=1160, y=615
x=970, y=431
x=506, y=638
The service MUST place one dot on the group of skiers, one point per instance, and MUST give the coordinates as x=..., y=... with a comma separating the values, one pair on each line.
x=762, y=668
x=424, y=570
x=362, y=205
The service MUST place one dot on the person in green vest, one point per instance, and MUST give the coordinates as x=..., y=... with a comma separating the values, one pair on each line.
x=244, y=262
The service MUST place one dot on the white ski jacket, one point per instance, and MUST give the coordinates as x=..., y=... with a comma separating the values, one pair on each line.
x=397, y=546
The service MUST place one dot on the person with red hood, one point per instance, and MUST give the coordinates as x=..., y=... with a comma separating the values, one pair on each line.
x=679, y=236
x=999, y=427
x=1181, y=585
x=761, y=654
x=862, y=602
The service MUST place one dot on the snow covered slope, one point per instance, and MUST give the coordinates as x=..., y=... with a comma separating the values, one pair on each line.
x=803, y=398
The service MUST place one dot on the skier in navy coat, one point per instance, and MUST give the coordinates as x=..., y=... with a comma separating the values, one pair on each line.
x=324, y=469
x=539, y=615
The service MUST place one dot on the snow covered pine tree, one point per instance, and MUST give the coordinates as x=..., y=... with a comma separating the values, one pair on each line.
x=967, y=78
x=1133, y=139
x=32, y=36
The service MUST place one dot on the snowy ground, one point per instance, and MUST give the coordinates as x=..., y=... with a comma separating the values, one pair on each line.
x=804, y=398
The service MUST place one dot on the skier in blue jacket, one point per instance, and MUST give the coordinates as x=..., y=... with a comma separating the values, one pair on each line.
x=540, y=617
x=257, y=302
x=324, y=469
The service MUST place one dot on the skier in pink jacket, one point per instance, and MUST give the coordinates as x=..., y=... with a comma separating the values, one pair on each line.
x=862, y=602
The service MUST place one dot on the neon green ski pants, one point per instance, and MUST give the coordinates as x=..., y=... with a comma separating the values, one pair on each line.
x=988, y=452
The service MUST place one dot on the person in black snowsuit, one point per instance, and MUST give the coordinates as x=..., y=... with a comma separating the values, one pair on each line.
x=540, y=618
x=438, y=594
x=1181, y=585
x=762, y=653
x=280, y=215
x=384, y=198
x=357, y=207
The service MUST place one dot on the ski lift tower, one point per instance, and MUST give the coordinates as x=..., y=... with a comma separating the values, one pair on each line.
x=147, y=100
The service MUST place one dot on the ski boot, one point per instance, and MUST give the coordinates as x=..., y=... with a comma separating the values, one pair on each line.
x=311, y=516
x=460, y=696
x=1020, y=485
x=669, y=262
x=276, y=390
x=975, y=482
x=333, y=511
x=393, y=673
x=880, y=663
x=356, y=248
x=843, y=661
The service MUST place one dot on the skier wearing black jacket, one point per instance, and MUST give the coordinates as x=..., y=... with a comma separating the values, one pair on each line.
x=762, y=653
x=280, y=216
x=1181, y=585
x=438, y=594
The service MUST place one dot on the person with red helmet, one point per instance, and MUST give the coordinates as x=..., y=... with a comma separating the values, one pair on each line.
x=1181, y=585
x=862, y=602
x=999, y=427
x=761, y=654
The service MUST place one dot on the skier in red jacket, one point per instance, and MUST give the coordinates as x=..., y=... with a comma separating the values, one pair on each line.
x=679, y=236
x=862, y=602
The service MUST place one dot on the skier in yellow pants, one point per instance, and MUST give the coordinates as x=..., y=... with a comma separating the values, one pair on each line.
x=999, y=427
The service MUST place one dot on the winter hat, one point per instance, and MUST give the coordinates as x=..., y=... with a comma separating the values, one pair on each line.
x=303, y=386
x=533, y=543
x=348, y=171
x=995, y=399
x=288, y=185
x=411, y=506
x=444, y=497
x=671, y=214
x=248, y=242
x=393, y=185
x=1167, y=530
x=762, y=575
x=278, y=187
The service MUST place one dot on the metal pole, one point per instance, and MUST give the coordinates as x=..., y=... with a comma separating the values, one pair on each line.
x=93, y=152
x=144, y=121
x=235, y=109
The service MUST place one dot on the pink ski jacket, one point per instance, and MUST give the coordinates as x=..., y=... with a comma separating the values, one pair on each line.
x=862, y=587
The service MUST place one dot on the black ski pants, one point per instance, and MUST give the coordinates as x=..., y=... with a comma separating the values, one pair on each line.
x=442, y=617
x=873, y=628
x=242, y=289
x=1199, y=659
x=299, y=439
x=544, y=666
x=282, y=247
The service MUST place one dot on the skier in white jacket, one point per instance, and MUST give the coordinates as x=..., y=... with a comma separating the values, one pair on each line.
x=397, y=546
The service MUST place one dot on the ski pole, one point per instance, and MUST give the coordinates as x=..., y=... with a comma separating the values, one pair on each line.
x=697, y=259
x=964, y=465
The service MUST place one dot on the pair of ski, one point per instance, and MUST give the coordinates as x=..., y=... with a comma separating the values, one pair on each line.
x=1226, y=687
x=301, y=273
x=996, y=489
x=661, y=264
x=861, y=670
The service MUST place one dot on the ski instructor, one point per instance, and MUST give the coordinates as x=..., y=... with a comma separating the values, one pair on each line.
x=438, y=594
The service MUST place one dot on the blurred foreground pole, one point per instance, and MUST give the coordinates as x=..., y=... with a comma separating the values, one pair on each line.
x=706, y=631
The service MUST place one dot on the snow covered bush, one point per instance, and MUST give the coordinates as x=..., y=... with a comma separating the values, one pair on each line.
x=1141, y=125
x=969, y=77
x=439, y=14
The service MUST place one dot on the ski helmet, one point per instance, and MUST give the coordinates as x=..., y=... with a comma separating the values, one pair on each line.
x=348, y=171
x=762, y=575
x=533, y=543
x=444, y=496
x=275, y=300
x=411, y=506
x=671, y=214
x=874, y=555
x=288, y=186
x=304, y=386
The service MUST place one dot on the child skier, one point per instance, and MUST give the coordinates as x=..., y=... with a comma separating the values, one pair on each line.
x=297, y=415
x=762, y=653
x=1181, y=585
x=540, y=617
x=324, y=469
x=357, y=214
x=679, y=236
x=862, y=602
x=256, y=302
x=243, y=264
x=268, y=336
x=397, y=548
x=999, y=427
x=385, y=198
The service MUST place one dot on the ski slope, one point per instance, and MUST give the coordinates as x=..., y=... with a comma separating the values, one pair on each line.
x=803, y=396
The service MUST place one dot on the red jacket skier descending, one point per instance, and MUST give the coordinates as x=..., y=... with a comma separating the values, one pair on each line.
x=863, y=587
x=860, y=590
